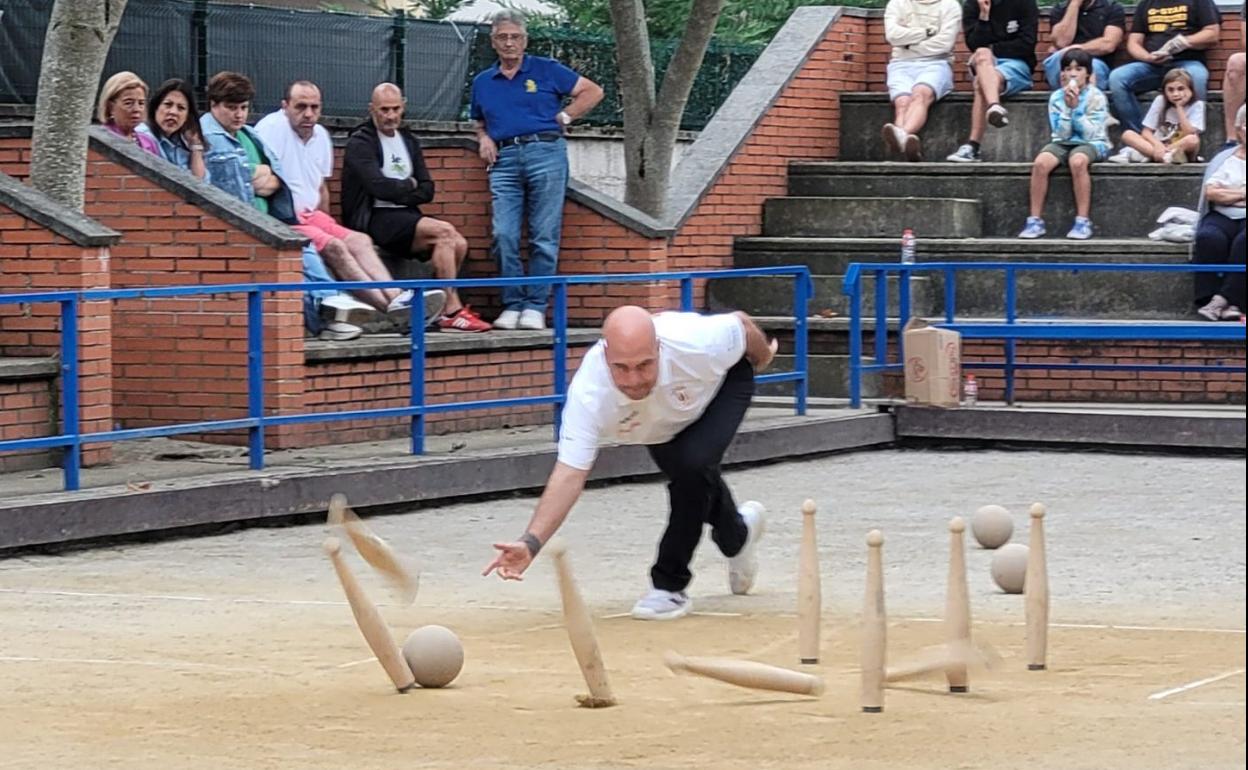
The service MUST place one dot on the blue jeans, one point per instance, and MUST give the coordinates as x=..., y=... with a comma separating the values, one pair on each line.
x=1129, y=80
x=532, y=177
x=314, y=271
x=1053, y=71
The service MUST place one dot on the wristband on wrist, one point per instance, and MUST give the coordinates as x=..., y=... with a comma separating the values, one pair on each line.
x=531, y=542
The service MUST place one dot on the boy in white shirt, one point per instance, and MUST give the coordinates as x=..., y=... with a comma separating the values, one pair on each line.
x=679, y=383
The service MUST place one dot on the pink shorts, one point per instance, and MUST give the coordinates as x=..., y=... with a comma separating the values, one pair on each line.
x=320, y=228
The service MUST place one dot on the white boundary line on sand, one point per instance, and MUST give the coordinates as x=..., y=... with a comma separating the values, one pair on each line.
x=125, y=662
x=1105, y=626
x=1193, y=685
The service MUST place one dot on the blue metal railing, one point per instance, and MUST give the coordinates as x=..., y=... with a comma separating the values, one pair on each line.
x=1014, y=328
x=256, y=421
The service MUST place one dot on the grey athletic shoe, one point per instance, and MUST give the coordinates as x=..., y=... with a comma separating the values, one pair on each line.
x=662, y=605
x=743, y=568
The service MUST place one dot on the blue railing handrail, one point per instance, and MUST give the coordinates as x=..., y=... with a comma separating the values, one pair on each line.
x=1013, y=328
x=72, y=439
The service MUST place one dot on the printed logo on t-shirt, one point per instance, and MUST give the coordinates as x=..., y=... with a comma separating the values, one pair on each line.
x=396, y=164
x=1167, y=18
x=530, y=85
x=681, y=394
x=629, y=423
x=1011, y=27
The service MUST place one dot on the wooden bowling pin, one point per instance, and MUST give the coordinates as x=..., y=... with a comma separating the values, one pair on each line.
x=747, y=673
x=1036, y=590
x=809, y=590
x=874, y=628
x=957, y=605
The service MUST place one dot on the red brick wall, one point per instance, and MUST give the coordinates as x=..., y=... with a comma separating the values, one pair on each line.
x=35, y=259
x=27, y=410
x=383, y=383
x=1205, y=388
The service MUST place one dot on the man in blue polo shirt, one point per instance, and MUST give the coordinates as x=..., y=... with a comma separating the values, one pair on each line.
x=521, y=116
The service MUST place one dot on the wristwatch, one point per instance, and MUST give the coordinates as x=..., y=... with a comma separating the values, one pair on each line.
x=564, y=118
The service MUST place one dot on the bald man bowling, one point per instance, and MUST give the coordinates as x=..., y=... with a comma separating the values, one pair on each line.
x=679, y=383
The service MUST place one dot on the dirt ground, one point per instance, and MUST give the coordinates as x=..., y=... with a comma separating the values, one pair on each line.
x=237, y=651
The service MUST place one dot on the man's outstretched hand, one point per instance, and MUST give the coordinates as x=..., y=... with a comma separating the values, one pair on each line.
x=511, y=562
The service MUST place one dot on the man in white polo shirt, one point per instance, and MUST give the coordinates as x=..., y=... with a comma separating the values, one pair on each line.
x=306, y=153
x=679, y=383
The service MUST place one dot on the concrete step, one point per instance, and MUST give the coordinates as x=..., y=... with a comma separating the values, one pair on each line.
x=1040, y=294
x=862, y=115
x=829, y=378
x=1126, y=200
x=865, y=217
x=831, y=256
x=774, y=296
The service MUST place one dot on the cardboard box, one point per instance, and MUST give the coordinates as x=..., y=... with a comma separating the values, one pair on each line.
x=933, y=364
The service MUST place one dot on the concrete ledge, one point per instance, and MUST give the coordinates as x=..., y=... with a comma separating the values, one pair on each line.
x=400, y=346
x=41, y=368
x=251, y=496
x=1155, y=428
x=28, y=202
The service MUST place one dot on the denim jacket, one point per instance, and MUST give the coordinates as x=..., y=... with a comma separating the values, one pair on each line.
x=172, y=150
x=227, y=168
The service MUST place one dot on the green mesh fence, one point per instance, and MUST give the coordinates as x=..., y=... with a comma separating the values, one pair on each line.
x=593, y=56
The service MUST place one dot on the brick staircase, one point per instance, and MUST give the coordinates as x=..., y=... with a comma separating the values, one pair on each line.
x=853, y=210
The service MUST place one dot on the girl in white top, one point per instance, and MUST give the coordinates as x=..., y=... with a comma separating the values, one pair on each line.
x=1172, y=127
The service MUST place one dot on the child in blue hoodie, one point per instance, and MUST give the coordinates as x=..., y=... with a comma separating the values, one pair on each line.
x=1077, y=115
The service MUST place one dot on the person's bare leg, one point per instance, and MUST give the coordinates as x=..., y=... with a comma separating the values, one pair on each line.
x=344, y=267
x=987, y=91
x=1190, y=145
x=1081, y=178
x=1232, y=92
x=365, y=255
x=1140, y=144
x=900, y=107
x=1040, y=171
x=439, y=239
x=915, y=116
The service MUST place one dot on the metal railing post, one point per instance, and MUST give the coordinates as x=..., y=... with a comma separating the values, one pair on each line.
x=560, y=351
x=881, y=317
x=855, y=342
x=951, y=294
x=71, y=460
x=398, y=46
x=416, y=396
x=1011, y=315
x=801, y=362
x=903, y=311
x=255, y=378
x=686, y=294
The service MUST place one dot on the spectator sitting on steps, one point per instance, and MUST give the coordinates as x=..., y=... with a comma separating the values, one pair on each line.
x=384, y=183
x=306, y=152
x=1172, y=127
x=1220, y=234
x=1165, y=35
x=173, y=122
x=1096, y=26
x=1077, y=115
x=922, y=33
x=239, y=163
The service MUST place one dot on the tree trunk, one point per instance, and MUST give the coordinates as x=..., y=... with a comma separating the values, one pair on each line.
x=651, y=123
x=79, y=35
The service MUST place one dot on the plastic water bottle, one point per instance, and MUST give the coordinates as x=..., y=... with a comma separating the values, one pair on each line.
x=908, y=245
x=970, y=391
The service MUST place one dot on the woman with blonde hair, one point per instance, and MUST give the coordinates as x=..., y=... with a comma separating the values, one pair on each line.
x=123, y=108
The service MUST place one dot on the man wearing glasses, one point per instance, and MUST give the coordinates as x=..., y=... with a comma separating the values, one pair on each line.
x=519, y=107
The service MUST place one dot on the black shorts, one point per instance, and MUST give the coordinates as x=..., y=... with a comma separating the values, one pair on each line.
x=393, y=230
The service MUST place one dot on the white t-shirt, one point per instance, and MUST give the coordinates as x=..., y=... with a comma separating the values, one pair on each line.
x=1229, y=175
x=304, y=164
x=397, y=163
x=1166, y=126
x=695, y=352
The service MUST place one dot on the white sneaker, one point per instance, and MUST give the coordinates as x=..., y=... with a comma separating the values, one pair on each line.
x=346, y=309
x=893, y=138
x=531, y=319
x=1128, y=155
x=662, y=605
x=507, y=320
x=743, y=568
x=998, y=116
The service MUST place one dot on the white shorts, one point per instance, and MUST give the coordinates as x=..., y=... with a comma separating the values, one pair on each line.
x=904, y=76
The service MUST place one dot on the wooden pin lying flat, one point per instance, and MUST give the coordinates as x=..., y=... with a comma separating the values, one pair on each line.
x=747, y=673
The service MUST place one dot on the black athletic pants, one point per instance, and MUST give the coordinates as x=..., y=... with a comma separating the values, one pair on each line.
x=1219, y=239
x=697, y=491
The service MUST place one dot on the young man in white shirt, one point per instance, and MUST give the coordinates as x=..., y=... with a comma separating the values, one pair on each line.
x=679, y=383
x=306, y=153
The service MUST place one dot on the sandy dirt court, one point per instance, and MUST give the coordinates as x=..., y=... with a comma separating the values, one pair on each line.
x=238, y=650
